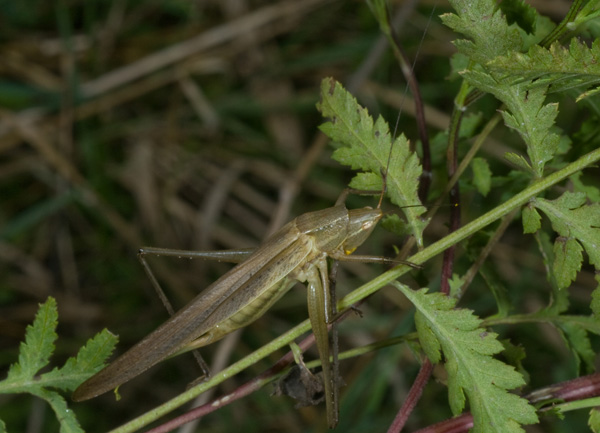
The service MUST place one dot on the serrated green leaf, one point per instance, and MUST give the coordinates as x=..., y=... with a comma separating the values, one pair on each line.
x=366, y=181
x=486, y=26
x=89, y=360
x=66, y=417
x=456, y=285
x=365, y=145
x=515, y=355
x=482, y=175
x=589, y=323
x=567, y=261
x=526, y=114
x=34, y=355
x=531, y=219
x=393, y=223
x=518, y=161
x=559, y=300
x=472, y=371
x=587, y=94
x=429, y=342
x=594, y=420
x=35, y=351
x=590, y=10
x=571, y=218
x=495, y=47
x=577, y=339
x=559, y=67
x=591, y=191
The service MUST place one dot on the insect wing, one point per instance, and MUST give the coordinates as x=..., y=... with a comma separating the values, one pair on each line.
x=268, y=265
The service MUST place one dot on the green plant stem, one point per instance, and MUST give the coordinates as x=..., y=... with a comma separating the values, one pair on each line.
x=469, y=229
x=486, y=251
x=563, y=27
x=464, y=163
x=545, y=316
x=366, y=290
x=588, y=403
x=483, y=135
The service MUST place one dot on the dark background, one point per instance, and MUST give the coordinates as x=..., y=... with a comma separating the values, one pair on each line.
x=113, y=136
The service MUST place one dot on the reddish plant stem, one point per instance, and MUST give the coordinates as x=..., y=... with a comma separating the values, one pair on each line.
x=417, y=387
x=242, y=391
x=452, y=152
x=416, y=390
x=460, y=424
x=570, y=390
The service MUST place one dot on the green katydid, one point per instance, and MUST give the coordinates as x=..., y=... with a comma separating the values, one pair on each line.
x=297, y=252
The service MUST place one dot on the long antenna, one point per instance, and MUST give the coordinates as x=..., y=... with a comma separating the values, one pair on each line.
x=411, y=82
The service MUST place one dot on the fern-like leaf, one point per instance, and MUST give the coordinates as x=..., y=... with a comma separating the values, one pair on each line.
x=576, y=224
x=492, y=38
x=35, y=354
x=484, y=23
x=365, y=145
x=472, y=371
x=589, y=11
x=578, y=341
x=527, y=114
x=560, y=67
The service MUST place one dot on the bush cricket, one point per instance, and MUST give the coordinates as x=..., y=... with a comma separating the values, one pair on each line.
x=297, y=252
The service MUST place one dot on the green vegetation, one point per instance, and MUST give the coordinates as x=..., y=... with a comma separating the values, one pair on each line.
x=194, y=126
